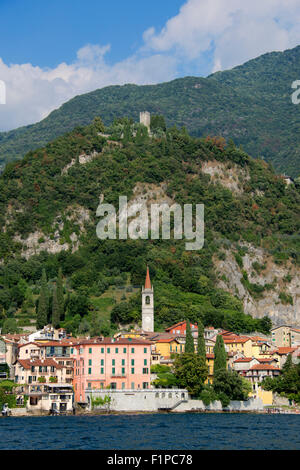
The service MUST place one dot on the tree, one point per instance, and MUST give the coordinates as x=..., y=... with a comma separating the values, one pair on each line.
x=229, y=385
x=10, y=326
x=98, y=124
x=60, y=294
x=190, y=372
x=55, y=309
x=288, y=364
x=220, y=361
x=43, y=303
x=189, y=340
x=165, y=377
x=201, y=341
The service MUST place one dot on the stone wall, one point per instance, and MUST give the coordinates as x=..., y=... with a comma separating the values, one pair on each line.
x=138, y=400
x=152, y=400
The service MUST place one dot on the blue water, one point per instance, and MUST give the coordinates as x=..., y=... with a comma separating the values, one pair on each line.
x=190, y=431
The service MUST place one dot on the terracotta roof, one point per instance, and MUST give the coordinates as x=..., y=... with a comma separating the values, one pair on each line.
x=244, y=359
x=264, y=367
x=166, y=340
x=27, y=344
x=27, y=363
x=111, y=341
x=147, y=281
x=284, y=350
x=237, y=339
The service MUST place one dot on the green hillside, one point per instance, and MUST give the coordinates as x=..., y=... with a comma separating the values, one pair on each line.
x=250, y=103
x=48, y=203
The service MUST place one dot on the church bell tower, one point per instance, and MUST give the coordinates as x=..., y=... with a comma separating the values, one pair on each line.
x=148, y=305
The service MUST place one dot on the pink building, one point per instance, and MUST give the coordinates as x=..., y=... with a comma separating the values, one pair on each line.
x=116, y=363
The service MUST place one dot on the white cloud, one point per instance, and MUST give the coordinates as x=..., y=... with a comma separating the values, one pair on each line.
x=235, y=30
x=224, y=33
x=33, y=92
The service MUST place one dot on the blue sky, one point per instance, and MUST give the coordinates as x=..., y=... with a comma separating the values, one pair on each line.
x=46, y=33
x=52, y=50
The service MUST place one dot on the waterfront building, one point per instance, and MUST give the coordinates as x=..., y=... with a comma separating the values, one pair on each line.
x=116, y=363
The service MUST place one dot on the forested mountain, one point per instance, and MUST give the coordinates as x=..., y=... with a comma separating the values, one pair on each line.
x=249, y=263
x=250, y=104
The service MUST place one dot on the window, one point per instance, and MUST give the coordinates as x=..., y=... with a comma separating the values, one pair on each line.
x=102, y=370
x=123, y=385
x=102, y=362
x=132, y=370
x=145, y=370
x=132, y=350
x=102, y=350
x=90, y=350
x=113, y=362
x=148, y=300
x=71, y=350
x=124, y=350
x=90, y=370
x=145, y=362
x=123, y=370
x=132, y=385
x=113, y=371
x=132, y=362
x=117, y=350
x=90, y=362
x=108, y=350
x=123, y=362
x=145, y=350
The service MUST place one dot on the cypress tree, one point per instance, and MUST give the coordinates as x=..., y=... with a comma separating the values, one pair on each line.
x=288, y=364
x=220, y=355
x=60, y=294
x=43, y=303
x=55, y=309
x=201, y=341
x=189, y=340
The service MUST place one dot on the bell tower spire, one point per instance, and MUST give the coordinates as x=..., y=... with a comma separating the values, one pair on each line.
x=148, y=305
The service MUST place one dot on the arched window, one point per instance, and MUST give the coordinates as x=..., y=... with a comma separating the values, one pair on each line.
x=148, y=299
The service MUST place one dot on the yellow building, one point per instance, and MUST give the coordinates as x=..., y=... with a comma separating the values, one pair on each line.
x=210, y=364
x=260, y=349
x=238, y=344
x=168, y=346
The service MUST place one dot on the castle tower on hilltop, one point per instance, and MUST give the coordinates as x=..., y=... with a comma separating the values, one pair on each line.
x=148, y=305
x=145, y=119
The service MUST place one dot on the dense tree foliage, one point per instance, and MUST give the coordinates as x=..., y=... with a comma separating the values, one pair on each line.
x=249, y=103
x=229, y=385
x=39, y=195
x=190, y=372
x=220, y=361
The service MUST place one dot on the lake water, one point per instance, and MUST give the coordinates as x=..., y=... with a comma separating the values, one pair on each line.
x=192, y=431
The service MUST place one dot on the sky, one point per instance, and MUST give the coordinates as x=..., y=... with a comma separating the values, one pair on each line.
x=53, y=50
